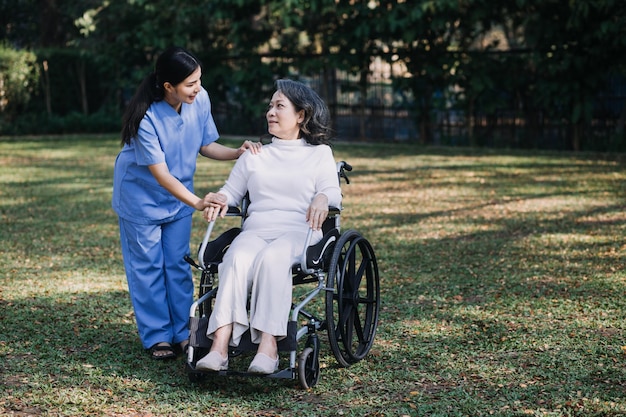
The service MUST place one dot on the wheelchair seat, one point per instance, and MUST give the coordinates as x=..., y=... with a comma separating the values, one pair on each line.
x=317, y=255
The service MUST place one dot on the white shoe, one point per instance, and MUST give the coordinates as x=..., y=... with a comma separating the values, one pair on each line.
x=263, y=364
x=212, y=362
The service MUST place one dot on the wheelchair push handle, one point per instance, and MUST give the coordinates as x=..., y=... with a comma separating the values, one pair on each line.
x=342, y=167
x=204, y=243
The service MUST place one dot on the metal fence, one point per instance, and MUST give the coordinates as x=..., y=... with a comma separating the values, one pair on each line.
x=378, y=112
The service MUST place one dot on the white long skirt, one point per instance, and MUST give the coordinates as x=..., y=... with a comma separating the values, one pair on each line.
x=260, y=267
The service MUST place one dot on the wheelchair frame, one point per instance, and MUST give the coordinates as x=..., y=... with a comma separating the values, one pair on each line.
x=342, y=265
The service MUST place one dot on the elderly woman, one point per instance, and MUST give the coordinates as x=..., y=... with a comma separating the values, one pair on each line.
x=291, y=185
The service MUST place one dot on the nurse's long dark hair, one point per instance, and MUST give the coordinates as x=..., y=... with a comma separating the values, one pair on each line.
x=172, y=66
x=315, y=129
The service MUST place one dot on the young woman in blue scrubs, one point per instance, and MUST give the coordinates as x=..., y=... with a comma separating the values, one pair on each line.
x=166, y=124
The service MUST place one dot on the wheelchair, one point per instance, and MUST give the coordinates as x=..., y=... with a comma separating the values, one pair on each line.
x=342, y=268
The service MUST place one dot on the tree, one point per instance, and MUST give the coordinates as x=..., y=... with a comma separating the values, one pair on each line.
x=576, y=45
x=553, y=58
x=424, y=38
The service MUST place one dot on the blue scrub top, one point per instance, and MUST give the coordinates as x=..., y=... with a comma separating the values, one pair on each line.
x=163, y=136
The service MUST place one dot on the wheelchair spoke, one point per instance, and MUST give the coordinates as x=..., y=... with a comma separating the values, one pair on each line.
x=351, y=322
x=353, y=276
x=347, y=330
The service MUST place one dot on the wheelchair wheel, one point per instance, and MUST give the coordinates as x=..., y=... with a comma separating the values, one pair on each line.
x=353, y=304
x=308, y=368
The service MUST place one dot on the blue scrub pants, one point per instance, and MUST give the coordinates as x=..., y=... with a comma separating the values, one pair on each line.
x=159, y=279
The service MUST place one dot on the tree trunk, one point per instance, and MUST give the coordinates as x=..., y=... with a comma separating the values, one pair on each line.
x=82, y=81
x=46, y=87
x=362, y=103
x=471, y=122
x=577, y=132
x=621, y=122
x=50, y=24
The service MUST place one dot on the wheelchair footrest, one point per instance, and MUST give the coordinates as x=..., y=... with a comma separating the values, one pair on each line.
x=198, y=338
x=280, y=374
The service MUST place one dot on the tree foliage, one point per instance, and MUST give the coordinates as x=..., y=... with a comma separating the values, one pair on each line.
x=542, y=58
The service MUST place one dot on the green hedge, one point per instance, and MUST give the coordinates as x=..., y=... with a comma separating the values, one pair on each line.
x=45, y=94
x=19, y=76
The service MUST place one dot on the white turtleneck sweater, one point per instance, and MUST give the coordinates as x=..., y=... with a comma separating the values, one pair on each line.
x=282, y=180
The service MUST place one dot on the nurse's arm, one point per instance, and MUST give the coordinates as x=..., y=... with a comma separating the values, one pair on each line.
x=220, y=152
x=162, y=174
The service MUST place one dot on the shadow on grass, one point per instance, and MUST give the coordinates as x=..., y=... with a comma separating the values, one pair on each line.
x=90, y=340
x=528, y=301
x=498, y=289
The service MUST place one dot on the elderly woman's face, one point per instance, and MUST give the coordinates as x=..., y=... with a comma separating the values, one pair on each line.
x=283, y=121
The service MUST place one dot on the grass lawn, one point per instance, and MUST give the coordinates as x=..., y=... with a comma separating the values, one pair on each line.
x=503, y=289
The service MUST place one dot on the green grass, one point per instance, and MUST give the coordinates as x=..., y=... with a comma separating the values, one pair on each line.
x=503, y=289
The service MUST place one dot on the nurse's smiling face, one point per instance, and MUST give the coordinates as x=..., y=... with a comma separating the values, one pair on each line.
x=185, y=91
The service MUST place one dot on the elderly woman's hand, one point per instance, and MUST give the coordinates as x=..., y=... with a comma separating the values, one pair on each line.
x=214, y=205
x=317, y=212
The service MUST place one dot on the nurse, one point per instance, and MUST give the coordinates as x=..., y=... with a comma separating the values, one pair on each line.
x=166, y=124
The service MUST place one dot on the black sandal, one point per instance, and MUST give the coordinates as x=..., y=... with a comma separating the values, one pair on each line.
x=162, y=347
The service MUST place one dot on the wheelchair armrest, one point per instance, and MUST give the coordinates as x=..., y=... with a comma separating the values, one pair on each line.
x=317, y=254
x=233, y=211
x=214, y=251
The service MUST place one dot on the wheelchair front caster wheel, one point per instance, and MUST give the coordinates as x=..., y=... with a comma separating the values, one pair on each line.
x=195, y=377
x=308, y=368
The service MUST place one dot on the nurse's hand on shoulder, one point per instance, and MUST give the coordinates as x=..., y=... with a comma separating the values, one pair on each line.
x=254, y=147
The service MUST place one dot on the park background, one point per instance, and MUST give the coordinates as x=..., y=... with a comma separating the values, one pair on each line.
x=488, y=73
x=487, y=143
